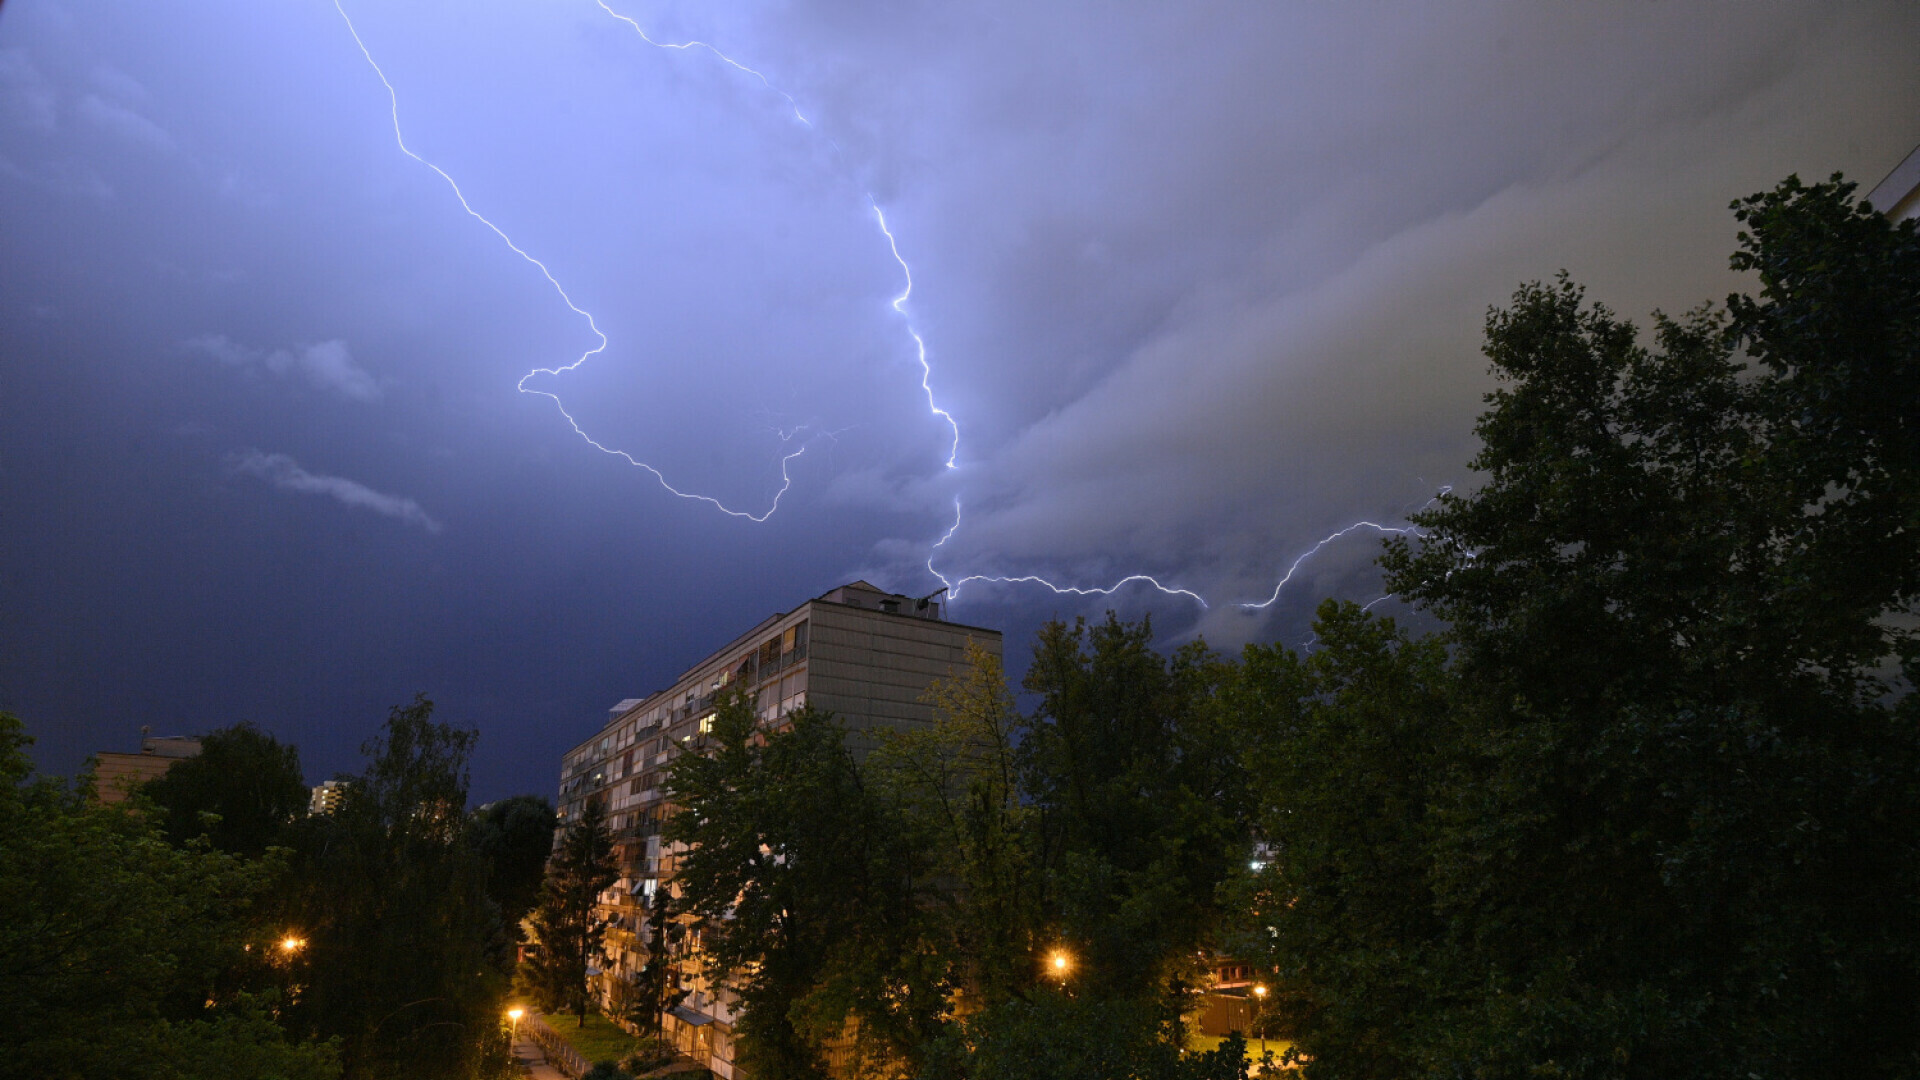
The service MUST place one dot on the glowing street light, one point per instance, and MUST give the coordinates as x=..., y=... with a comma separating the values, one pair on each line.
x=1060, y=963
x=1260, y=992
x=291, y=944
x=513, y=1015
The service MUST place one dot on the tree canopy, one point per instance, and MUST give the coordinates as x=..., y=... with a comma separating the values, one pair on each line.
x=113, y=944
x=247, y=779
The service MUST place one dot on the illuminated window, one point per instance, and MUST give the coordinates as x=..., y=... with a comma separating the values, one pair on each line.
x=706, y=723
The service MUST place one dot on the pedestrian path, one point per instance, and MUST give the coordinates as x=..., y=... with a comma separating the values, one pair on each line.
x=533, y=1060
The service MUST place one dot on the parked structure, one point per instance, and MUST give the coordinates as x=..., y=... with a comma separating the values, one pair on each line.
x=866, y=655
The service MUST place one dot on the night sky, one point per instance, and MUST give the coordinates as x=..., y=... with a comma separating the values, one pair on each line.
x=1200, y=285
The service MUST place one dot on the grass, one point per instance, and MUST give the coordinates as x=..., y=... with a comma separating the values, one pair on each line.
x=1198, y=1042
x=600, y=1040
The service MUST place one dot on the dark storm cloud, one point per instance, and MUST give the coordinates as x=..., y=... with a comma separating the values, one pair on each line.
x=1201, y=283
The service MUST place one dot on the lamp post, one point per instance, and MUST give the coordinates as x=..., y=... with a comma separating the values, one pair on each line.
x=1059, y=963
x=513, y=1017
x=1260, y=994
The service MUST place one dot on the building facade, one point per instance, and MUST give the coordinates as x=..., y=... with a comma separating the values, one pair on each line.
x=866, y=655
x=115, y=774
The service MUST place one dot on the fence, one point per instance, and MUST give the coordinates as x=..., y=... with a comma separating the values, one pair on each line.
x=559, y=1051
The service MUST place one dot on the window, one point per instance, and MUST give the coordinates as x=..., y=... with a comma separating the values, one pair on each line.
x=706, y=724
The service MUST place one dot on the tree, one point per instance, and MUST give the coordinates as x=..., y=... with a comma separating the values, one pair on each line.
x=1141, y=803
x=1346, y=749
x=1681, y=615
x=797, y=883
x=956, y=787
x=514, y=837
x=651, y=992
x=248, y=780
x=568, y=932
x=113, y=943
x=402, y=959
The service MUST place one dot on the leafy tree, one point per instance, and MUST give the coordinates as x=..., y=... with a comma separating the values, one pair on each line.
x=1049, y=1035
x=401, y=959
x=956, y=787
x=1141, y=803
x=247, y=779
x=568, y=932
x=1346, y=749
x=514, y=837
x=796, y=882
x=113, y=943
x=1678, y=838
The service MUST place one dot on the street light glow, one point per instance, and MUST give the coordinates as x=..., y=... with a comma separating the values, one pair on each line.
x=514, y=1014
x=1060, y=962
x=291, y=944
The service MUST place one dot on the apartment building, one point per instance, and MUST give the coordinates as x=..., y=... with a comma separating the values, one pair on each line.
x=864, y=654
x=115, y=775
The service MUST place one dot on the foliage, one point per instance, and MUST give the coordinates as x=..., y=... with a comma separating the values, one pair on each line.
x=514, y=837
x=249, y=781
x=112, y=942
x=1053, y=1036
x=1346, y=748
x=1140, y=799
x=606, y=1070
x=568, y=932
x=403, y=960
x=797, y=882
x=641, y=1000
x=956, y=787
x=649, y=1053
x=1676, y=837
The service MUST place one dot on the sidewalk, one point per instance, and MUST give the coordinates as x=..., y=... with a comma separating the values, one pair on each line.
x=533, y=1060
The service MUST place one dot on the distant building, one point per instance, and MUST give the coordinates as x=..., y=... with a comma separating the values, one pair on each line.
x=1898, y=196
x=864, y=654
x=326, y=797
x=115, y=774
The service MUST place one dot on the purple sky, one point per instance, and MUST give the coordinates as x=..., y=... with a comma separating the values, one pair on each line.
x=1200, y=284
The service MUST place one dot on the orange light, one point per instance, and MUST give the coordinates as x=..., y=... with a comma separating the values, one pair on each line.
x=1260, y=991
x=291, y=943
x=1060, y=962
x=515, y=1014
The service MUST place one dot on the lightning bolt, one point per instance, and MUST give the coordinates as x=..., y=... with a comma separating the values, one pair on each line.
x=1315, y=550
x=953, y=587
x=724, y=58
x=899, y=305
x=399, y=138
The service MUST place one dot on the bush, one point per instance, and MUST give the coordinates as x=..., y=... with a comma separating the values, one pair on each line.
x=650, y=1053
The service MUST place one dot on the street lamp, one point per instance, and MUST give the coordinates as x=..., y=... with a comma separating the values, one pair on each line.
x=513, y=1015
x=291, y=944
x=1060, y=963
x=1260, y=992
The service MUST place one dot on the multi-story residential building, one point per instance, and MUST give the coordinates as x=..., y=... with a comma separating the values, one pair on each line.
x=866, y=655
x=326, y=797
x=116, y=774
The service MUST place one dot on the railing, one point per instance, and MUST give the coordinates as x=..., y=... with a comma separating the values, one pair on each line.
x=559, y=1051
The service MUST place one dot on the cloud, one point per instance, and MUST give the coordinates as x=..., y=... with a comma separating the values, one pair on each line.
x=28, y=97
x=286, y=474
x=327, y=365
x=120, y=121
